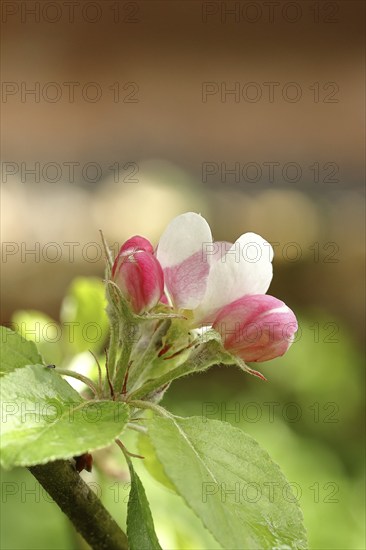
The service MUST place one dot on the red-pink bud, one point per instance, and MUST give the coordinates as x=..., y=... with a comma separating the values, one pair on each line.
x=138, y=274
x=256, y=327
x=137, y=243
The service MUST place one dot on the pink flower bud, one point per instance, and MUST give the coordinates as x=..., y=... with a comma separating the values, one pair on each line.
x=256, y=327
x=137, y=243
x=138, y=274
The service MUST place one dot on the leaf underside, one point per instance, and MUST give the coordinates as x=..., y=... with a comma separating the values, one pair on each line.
x=232, y=484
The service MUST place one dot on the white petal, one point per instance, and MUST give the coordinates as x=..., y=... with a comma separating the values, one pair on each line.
x=186, y=235
x=245, y=269
x=184, y=252
x=218, y=250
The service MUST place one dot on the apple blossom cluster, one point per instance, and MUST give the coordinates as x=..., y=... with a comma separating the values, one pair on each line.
x=211, y=285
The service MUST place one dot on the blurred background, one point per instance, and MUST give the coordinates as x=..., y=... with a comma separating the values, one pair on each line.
x=120, y=115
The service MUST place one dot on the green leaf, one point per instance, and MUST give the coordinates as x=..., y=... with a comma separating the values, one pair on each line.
x=232, y=484
x=140, y=526
x=16, y=351
x=44, y=419
x=83, y=315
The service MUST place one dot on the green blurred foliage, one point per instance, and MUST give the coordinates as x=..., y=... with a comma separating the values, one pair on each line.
x=25, y=503
x=41, y=329
x=83, y=308
x=81, y=333
x=83, y=324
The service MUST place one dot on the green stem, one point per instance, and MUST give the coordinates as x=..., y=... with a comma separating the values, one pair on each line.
x=137, y=428
x=124, y=358
x=204, y=357
x=156, y=383
x=80, y=377
x=142, y=367
x=112, y=350
x=147, y=405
